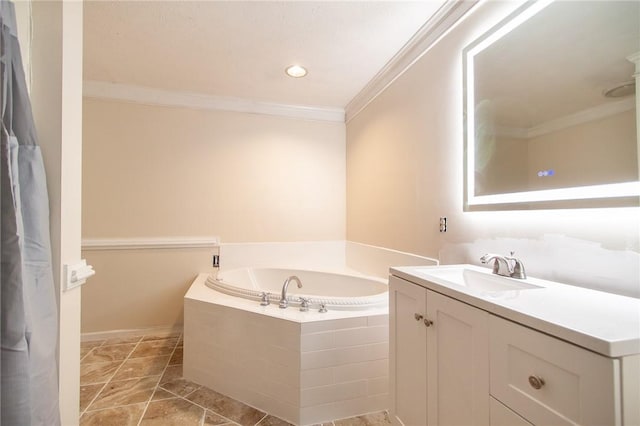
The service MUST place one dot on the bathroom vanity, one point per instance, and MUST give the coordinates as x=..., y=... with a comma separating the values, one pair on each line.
x=469, y=347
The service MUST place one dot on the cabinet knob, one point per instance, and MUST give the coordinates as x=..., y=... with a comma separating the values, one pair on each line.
x=536, y=382
x=418, y=317
x=428, y=322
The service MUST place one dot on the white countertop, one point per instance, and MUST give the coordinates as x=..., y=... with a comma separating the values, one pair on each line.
x=602, y=322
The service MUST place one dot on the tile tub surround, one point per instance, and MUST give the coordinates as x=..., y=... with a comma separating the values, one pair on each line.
x=305, y=368
x=130, y=382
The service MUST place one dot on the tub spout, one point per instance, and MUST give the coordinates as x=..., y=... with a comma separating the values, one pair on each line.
x=283, y=300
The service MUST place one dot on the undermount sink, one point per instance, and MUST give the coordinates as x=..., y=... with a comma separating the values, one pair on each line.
x=476, y=280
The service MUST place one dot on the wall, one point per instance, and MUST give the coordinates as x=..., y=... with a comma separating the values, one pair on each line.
x=404, y=171
x=243, y=177
x=55, y=68
x=158, y=172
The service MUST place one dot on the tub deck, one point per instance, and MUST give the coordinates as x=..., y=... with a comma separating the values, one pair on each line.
x=304, y=367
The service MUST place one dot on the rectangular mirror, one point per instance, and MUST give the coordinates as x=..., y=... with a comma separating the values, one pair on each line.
x=550, y=108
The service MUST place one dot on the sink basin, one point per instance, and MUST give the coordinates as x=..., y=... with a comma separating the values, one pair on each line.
x=476, y=280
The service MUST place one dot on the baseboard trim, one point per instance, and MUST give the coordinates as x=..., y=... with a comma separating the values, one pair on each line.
x=116, y=334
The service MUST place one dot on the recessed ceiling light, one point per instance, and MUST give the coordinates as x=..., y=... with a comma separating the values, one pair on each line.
x=296, y=71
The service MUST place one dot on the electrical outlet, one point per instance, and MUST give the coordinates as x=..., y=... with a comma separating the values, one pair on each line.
x=443, y=224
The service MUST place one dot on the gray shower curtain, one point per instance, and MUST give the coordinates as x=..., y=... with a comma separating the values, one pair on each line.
x=28, y=316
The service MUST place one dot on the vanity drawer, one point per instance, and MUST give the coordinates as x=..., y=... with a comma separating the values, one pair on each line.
x=501, y=415
x=551, y=382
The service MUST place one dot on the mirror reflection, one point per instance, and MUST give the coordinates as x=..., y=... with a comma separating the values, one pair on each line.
x=553, y=101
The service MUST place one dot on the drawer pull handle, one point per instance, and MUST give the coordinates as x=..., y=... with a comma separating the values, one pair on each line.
x=418, y=317
x=428, y=322
x=536, y=382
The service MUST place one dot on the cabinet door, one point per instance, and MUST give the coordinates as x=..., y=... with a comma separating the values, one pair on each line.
x=407, y=357
x=457, y=363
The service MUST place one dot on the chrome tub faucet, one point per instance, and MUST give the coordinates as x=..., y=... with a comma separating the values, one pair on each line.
x=283, y=299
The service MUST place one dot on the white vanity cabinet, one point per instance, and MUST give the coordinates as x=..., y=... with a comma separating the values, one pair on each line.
x=551, y=382
x=438, y=360
x=509, y=358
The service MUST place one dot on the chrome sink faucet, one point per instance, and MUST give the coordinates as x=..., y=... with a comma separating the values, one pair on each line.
x=283, y=299
x=506, y=266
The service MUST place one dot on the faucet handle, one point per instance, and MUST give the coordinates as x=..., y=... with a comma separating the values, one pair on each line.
x=304, y=304
x=487, y=258
x=264, y=301
x=501, y=265
x=518, y=268
x=517, y=271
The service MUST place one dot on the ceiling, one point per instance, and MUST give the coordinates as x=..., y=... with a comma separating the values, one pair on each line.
x=240, y=49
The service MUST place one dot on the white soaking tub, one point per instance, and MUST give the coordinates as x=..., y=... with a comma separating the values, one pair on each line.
x=304, y=367
x=335, y=291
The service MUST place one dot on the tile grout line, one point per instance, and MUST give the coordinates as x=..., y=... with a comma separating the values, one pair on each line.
x=203, y=407
x=260, y=421
x=111, y=377
x=146, y=406
x=185, y=397
x=93, y=399
x=90, y=350
x=103, y=385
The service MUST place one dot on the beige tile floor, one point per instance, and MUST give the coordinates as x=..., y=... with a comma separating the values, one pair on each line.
x=138, y=381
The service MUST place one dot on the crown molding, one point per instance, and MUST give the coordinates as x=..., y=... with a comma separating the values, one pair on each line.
x=427, y=36
x=152, y=96
x=585, y=116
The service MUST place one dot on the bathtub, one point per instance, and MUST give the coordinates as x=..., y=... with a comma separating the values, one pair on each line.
x=304, y=367
x=333, y=290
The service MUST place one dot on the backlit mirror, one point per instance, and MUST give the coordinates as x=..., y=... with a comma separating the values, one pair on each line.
x=550, y=108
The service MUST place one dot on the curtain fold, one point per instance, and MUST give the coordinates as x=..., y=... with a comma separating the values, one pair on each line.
x=28, y=316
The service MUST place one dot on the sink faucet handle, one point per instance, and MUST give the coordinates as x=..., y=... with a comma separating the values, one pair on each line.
x=487, y=257
x=518, y=267
x=304, y=304
x=500, y=265
x=264, y=301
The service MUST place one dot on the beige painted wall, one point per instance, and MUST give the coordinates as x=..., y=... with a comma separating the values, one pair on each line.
x=158, y=172
x=136, y=289
x=154, y=171
x=404, y=171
